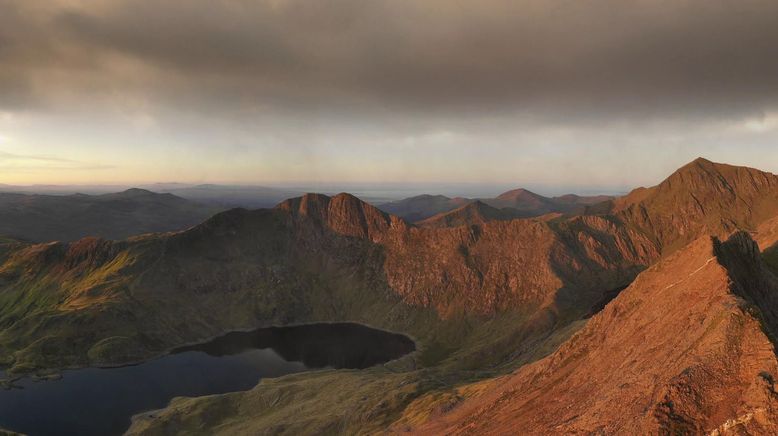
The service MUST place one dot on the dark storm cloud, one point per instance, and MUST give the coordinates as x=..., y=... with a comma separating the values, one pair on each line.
x=596, y=58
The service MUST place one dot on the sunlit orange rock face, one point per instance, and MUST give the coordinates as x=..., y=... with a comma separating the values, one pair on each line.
x=489, y=266
x=701, y=197
x=476, y=259
x=683, y=350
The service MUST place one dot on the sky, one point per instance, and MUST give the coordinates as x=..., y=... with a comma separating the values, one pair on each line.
x=560, y=96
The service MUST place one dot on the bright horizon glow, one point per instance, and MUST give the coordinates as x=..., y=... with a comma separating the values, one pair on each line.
x=556, y=164
x=597, y=97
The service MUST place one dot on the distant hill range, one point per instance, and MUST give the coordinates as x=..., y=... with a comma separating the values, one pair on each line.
x=228, y=196
x=439, y=210
x=224, y=196
x=40, y=218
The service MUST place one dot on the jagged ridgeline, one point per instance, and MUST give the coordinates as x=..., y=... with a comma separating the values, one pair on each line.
x=484, y=295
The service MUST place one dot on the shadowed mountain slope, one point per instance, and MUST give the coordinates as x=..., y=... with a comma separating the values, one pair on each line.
x=766, y=235
x=41, y=218
x=683, y=350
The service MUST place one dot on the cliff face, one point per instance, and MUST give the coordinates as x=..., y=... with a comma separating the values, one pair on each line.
x=486, y=266
x=344, y=214
x=489, y=266
x=515, y=264
x=682, y=350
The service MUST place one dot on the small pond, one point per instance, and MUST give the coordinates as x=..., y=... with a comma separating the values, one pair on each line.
x=101, y=401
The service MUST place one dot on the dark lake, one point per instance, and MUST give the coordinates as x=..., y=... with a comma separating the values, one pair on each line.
x=101, y=401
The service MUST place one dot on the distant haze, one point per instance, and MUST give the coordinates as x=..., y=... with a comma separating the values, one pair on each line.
x=253, y=196
x=435, y=96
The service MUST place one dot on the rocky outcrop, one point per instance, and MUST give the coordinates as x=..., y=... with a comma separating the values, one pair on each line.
x=486, y=266
x=518, y=264
x=344, y=214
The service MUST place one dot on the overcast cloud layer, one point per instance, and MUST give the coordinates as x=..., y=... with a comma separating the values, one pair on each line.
x=433, y=90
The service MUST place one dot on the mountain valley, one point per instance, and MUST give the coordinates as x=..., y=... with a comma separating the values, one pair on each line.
x=648, y=300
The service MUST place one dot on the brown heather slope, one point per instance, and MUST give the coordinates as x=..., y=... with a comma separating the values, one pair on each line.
x=702, y=197
x=684, y=350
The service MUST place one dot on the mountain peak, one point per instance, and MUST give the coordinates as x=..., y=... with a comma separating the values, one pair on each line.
x=344, y=213
x=702, y=161
x=522, y=199
x=136, y=192
x=476, y=212
x=517, y=194
x=310, y=204
x=700, y=164
x=705, y=167
x=701, y=197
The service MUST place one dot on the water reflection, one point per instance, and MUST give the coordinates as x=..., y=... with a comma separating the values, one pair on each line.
x=94, y=401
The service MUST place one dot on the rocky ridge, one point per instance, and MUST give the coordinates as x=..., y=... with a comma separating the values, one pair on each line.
x=684, y=350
